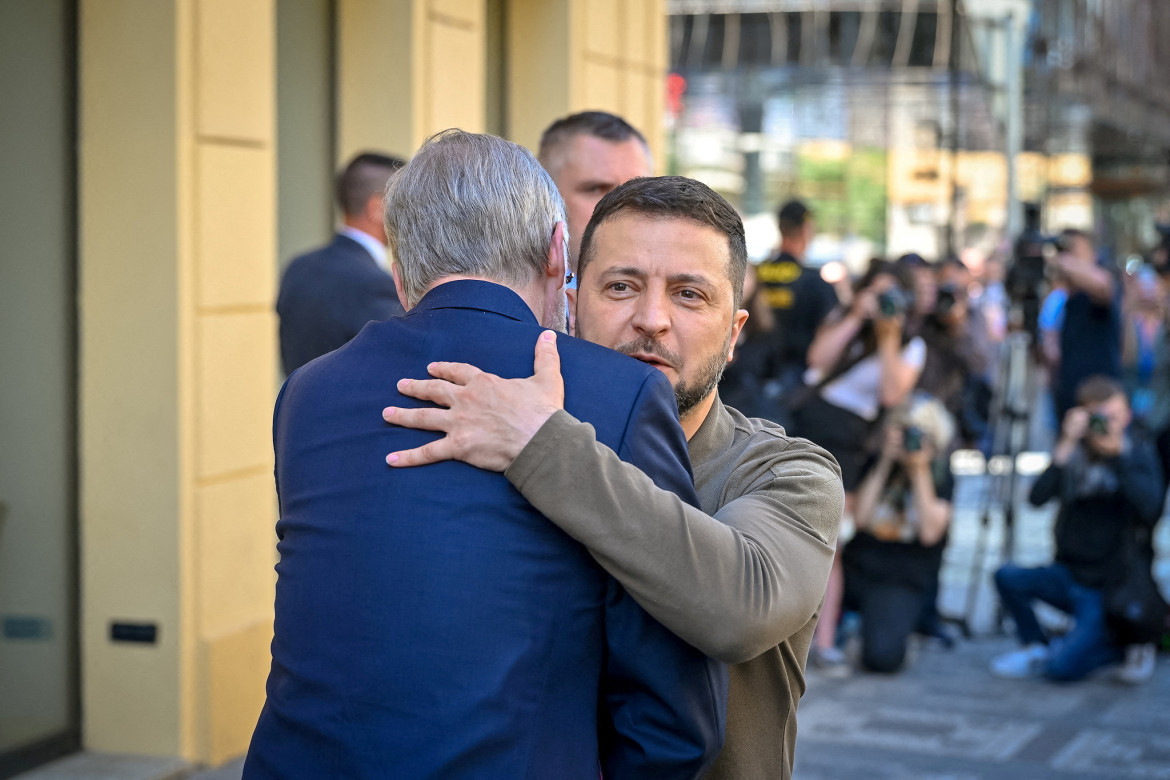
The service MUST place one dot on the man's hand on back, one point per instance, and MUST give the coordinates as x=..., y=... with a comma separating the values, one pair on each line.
x=487, y=420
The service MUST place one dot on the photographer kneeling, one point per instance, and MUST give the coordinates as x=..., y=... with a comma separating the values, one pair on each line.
x=1109, y=484
x=902, y=514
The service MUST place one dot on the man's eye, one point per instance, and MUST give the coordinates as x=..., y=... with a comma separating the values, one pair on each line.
x=690, y=295
x=619, y=287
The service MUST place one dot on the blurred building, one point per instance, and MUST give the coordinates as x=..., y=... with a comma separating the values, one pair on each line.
x=159, y=160
x=897, y=118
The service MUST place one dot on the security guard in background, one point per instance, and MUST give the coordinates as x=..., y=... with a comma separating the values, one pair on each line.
x=800, y=299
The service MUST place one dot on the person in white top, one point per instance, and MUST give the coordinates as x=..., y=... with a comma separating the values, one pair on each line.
x=861, y=362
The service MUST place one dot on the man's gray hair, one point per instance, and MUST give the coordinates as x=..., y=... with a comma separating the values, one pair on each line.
x=470, y=205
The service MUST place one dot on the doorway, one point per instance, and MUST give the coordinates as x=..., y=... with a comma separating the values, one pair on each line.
x=39, y=692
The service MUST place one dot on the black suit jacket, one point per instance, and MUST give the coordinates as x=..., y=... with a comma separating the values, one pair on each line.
x=327, y=296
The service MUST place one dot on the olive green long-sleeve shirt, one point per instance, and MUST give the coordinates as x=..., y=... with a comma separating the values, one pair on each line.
x=742, y=579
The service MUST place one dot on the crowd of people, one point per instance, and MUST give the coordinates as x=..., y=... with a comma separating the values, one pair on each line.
x=545, y=559
x=903, y=368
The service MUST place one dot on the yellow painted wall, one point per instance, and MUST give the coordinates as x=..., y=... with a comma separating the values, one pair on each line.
x=178, y=367
x=178, y=269
x=407, y=69
x=575, y=55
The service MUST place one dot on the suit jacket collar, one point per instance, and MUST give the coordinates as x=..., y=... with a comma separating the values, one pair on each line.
x=477, y=295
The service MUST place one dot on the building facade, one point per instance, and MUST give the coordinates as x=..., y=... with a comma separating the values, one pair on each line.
x=925, y=125
x=166, y=158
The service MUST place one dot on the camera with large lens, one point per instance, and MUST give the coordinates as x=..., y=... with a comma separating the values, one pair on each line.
x=912, y=439
x=948, y=296
x=1098, y=424
x=892, y=302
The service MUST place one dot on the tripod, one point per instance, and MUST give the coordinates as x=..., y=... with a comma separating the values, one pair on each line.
x=1010, y=415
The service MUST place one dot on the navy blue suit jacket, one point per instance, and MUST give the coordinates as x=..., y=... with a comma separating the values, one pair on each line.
x=327, y=296
x=430, y=623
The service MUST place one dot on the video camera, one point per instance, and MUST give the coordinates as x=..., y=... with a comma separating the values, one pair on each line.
x=1026, y=277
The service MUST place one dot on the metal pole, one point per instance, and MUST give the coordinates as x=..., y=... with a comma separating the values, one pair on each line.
x=952, y=223
x=1014, y=125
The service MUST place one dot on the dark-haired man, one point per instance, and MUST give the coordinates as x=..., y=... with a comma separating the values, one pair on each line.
x=588, y=154
x=1090, y=333
x=329, y=294
x=662, y=267
x=800, y=299
x=1109, y=485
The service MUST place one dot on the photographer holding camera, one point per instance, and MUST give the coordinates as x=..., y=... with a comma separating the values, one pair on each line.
x=1109, y=485
x=1090, y=335
x=959, y=352
x=902, y=514
x=861, y=362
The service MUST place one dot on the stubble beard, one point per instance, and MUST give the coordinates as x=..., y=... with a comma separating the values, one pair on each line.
x=559, y=319
x=687, y=394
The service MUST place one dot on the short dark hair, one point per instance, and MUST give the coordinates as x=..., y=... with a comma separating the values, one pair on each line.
x=912, y=260
x=673, y=197
x=792, y=216
x=365, y=175
x=599, y=124
x=1098, y=389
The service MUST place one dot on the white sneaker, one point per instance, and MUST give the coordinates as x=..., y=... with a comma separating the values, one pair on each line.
x=1138, y=666
x=1020, y=664
x=829, y=661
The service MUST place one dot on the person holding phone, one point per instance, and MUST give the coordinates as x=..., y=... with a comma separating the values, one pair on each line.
x=902, y=514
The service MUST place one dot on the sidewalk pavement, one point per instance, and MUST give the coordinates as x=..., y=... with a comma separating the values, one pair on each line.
x=946, y=716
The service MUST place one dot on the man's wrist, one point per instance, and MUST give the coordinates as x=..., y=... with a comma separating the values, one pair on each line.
x=539, y=447
x=1063, y=451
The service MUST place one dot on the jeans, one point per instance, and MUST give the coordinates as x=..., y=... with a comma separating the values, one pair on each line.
x=1087, y=646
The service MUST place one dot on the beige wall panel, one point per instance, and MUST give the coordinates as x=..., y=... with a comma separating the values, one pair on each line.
x=539, y=65
x=236, y=66
x=463, y=10
x=128, y=452
x=636, y=98
x=236, y=362
x=131, y=700
x=602, y=30
x=236, y=553
x=635, y=32
x=236, y=240
x=377, y=94
x=236, y=667
x=450, y=102
x=601, y=87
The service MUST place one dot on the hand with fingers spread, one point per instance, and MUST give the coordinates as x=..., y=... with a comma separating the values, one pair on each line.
x=487, y=420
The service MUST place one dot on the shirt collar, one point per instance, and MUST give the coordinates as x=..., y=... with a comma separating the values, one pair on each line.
x=369, y=243
x=715, y=435
x=478, y=295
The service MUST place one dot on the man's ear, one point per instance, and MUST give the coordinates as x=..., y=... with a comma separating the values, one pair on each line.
x=571, y=295
x=557, y=255
x=737, y=323
x=374, y=208
x=397, y=274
